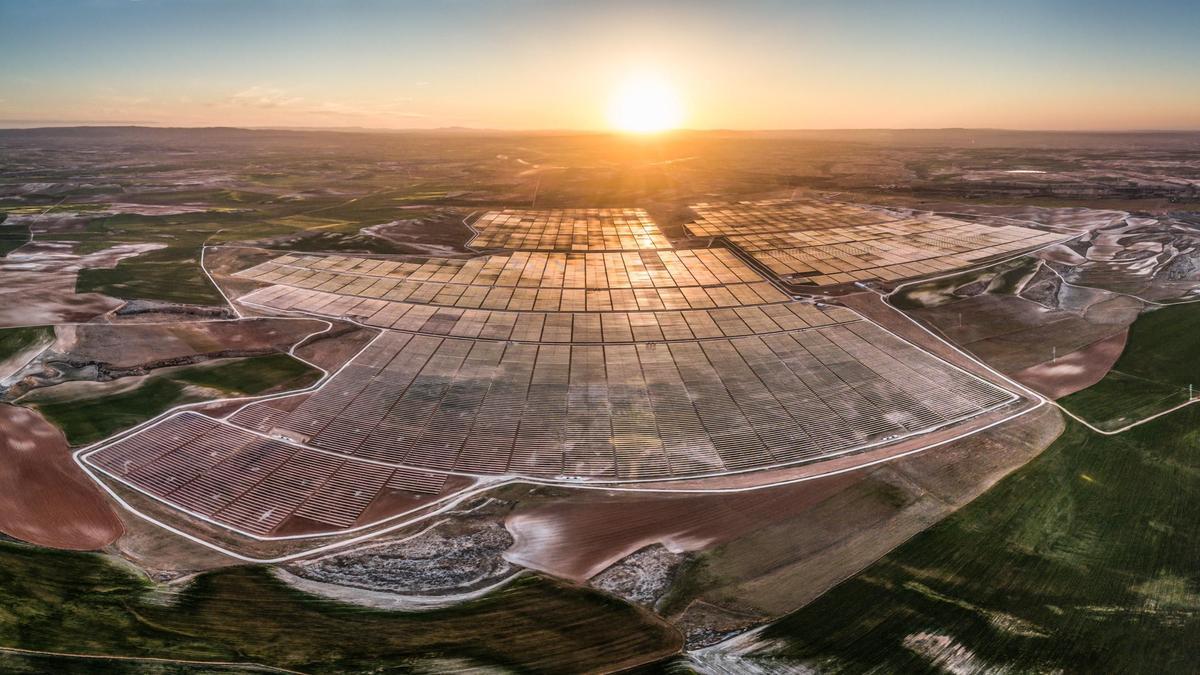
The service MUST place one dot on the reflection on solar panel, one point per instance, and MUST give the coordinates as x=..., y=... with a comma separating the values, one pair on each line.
x=781, y=215
x=830, y=243
x=652, y=323
x=246, y=481
x=629, y=411
x=555, y=282
x=568, y=230
x=608, y=366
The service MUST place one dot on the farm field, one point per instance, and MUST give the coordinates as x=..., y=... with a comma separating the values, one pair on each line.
x=44, y=496
x=16, y=340
x=18, y=345
x=12, y=237
x=1153, y=373
x=1045, y=571
x=247, y=615
x=89, y=411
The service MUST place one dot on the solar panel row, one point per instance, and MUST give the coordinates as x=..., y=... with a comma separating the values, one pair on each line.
x=594, y=410
x=822, y=243
x=610, y=327
x=568, y=230
x=593, y=271
x=248, y=482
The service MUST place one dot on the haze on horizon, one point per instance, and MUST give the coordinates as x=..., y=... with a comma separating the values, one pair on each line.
x=1067, y=64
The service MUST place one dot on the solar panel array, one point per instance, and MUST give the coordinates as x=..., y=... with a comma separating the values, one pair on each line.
x=826, y=243
x=630, y=411
x=593, y=326
x=781, y=215
x=608, y=366
x=247, y=481
x=535, y=281
x=568, y=230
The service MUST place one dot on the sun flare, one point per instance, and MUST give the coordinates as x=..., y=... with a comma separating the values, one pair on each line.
x=645, y=104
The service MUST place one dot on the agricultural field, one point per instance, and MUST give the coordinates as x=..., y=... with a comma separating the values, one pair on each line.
x=19, y=345
x=12, y=237
x=246, y=615
x=89, y=411
x=1156, y=371
x=1046, y=571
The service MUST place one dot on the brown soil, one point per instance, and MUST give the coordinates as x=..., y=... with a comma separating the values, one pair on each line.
x=1075, y=371
x=578, y=538
x=165, y=555
x=1012, y=333
x=37, y=283
x=387, y=504
x=333, y=349
x=1061, y=253
x=873, y=307
x=45, y=498
x=128, y=346
x=769, y=551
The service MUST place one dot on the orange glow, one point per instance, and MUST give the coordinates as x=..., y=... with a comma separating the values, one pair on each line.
x=645, y=104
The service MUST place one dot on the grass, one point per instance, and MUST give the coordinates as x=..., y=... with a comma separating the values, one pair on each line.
x=253, y=375
x=85, y=420
x=1084, y=560
x=12, y=237
x=1153, y=373
x=173, y=273
x=16, y=340
x=170, y=274
x=80, y=603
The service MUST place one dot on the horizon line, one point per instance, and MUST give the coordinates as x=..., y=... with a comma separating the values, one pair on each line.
x=40, y=125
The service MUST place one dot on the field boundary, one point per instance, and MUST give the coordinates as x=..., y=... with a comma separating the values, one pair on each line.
x=487, y=483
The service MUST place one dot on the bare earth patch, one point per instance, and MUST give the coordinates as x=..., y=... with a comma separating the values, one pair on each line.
x=45, y=498
x=1075, y=371
x=37, y=283
x=642, y=577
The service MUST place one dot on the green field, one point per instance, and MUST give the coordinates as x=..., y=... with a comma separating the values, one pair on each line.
x=12, y=237
x=85, y=420
x=173, y=274
x=15, y=340
x=1085, y=560
x=1161, y=358
x=81, y=604
x=170, y=274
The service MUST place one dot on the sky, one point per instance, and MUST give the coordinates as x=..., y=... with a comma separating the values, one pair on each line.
x=531, y=64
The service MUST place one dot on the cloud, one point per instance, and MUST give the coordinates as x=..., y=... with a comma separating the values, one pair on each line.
x=260, y=96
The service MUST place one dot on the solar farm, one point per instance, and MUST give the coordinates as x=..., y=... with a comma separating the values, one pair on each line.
x=568, y=230
x=826, y=243
x=523, y=281
x=599, y=366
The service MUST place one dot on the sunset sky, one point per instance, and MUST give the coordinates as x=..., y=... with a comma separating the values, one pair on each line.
x=527, y=64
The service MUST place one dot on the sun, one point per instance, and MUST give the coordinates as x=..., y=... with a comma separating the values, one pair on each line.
x=645, y=104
